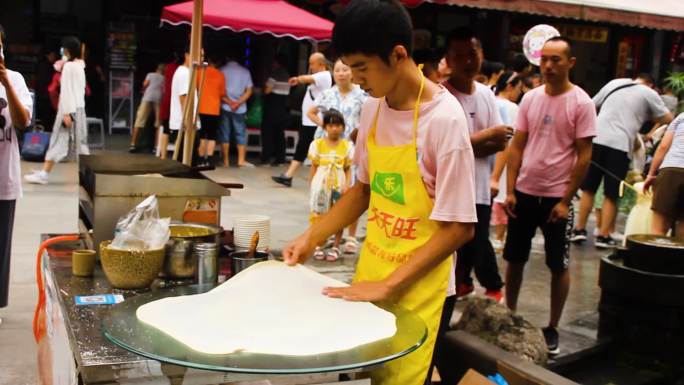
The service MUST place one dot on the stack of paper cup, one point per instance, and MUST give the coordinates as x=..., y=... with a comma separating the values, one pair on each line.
x=246, y=225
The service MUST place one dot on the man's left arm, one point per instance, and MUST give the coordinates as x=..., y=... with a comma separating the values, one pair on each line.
x=449, y=237
x=583, y=146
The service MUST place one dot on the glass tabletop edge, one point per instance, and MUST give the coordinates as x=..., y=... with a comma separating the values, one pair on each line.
x=327, y=369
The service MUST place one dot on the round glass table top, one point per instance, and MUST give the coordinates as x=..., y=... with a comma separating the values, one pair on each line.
x=122, y=327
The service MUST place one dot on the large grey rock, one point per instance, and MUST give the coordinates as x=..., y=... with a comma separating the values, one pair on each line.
x=496, y=324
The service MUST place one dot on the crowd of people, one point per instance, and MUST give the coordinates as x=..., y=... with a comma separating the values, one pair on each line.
x=436, y=147
x=535, y=141
x=221, y=106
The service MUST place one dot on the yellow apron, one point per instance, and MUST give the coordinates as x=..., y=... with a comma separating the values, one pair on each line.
x=398, y=224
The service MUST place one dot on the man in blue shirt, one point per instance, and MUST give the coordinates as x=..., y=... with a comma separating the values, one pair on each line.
x=233, y=115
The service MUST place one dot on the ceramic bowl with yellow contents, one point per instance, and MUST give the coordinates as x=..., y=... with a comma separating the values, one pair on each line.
x=130, y=269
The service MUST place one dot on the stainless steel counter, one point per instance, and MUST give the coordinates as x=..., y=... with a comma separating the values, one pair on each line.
x=98, y=361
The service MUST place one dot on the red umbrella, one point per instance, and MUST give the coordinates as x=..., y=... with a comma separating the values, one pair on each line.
x=275, y=17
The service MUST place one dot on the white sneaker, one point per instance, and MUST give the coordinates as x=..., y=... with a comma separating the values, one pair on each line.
x=497, y=244
x=39, y=177
x=617, y=236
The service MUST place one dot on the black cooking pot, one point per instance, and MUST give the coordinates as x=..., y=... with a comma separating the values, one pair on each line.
x=655, y=254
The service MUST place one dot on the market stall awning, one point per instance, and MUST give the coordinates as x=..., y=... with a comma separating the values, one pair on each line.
x=274, y=17
x=657, y=14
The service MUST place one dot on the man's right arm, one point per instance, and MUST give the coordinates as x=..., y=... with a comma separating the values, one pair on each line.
x=301, y=79
x=658, y=158
x=513, y=163
x=348, y=209
x=312, y=114
x=490, y=141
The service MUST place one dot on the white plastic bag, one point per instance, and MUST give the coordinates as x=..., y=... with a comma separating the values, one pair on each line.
x=321, y=190
x=640, y=217
x=141, y=228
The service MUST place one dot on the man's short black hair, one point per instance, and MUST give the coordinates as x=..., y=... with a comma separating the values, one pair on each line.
x=645, y=76
x=427, y=56
x=73, y=45
x=490, y=68
x=565, y=40
x=520, y=63
x=333, y=116
x=463, y=34
x=372, y=27
x=215, y=57
x=235, y=52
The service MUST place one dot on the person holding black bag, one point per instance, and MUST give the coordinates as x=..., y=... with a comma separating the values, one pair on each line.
x=16, y=106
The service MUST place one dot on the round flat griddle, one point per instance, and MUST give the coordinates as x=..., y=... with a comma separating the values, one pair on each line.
x=122, y=327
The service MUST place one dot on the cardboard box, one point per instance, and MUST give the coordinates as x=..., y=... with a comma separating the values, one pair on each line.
x=472, y=377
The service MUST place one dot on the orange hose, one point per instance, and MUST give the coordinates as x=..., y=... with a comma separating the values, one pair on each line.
x=39, y=328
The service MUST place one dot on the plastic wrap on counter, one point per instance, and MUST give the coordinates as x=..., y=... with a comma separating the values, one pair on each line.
x=141, y=228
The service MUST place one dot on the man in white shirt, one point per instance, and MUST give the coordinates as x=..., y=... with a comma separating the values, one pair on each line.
x=624, y=106
x=180, y=84
x=318, y=81
x=234, y=114
x=487, y=136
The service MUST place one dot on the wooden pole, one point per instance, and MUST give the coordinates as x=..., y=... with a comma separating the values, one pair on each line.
x=195, y=60
x=187, y=111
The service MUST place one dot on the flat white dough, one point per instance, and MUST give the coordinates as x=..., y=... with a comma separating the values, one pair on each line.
x=270, y=308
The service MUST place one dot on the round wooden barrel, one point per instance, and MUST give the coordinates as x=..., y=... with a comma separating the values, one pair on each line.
x=640, y=310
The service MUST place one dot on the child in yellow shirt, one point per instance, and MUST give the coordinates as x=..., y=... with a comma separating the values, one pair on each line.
x=331, y=159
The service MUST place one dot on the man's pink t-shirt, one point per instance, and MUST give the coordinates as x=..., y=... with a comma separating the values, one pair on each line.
x=445, y=156
x=553, y=123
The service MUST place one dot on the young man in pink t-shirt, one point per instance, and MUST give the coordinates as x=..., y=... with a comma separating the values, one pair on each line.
x=547, y=161
x=412, y=133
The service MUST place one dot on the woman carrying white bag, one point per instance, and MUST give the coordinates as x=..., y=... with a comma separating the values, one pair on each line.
x=668, y=198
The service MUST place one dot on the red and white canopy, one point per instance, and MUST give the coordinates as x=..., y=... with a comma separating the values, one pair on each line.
x=274, y=17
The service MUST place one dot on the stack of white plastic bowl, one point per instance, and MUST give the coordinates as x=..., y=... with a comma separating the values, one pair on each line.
x=246, y=225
